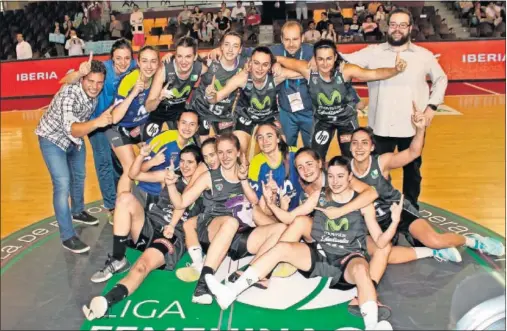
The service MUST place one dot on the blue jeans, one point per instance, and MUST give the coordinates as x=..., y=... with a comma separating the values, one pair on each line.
x=106, y=174
x=67, y=171
x=293, y=123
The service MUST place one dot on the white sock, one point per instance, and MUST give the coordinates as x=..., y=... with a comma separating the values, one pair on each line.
x=195, y=253
x=247, y=279
x=423, y=252
x=369, y=310
x=470, y=242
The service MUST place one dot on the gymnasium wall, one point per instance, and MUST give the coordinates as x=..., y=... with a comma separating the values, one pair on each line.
x=30, y=84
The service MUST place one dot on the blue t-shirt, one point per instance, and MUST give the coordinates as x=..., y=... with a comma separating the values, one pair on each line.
x=106, y=96
x=291, y=86
x=136, y=113
x=287, y=181
x=169, y=140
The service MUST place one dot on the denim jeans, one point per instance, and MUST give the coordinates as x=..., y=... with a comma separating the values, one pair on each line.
x=67, y=171
x=293, y=123
x=106, y=173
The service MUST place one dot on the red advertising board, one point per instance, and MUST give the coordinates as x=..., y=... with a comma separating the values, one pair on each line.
x=461, y=60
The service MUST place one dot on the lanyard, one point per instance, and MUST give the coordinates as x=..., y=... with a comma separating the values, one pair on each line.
x=298, y=81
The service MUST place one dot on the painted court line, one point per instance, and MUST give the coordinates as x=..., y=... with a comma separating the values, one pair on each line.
x=481, y=88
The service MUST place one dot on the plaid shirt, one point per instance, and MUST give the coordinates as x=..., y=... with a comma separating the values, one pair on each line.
x=70, y=105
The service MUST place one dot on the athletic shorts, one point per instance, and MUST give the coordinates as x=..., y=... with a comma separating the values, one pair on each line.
x=407, y=218
x=121, y=136
x=144, y=198
x=323, y=132
x=248, y=126
x=321, y=267
x=219, y=127
x=238, y=248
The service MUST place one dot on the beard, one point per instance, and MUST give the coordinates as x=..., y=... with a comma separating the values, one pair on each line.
x=403, y=40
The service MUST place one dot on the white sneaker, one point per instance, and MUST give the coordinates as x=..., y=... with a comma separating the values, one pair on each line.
x=383, y=325
x=224, y=295
x=98, y=308
x=447, y=254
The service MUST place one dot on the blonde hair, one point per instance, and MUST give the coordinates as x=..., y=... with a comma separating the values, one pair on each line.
x=290, y=24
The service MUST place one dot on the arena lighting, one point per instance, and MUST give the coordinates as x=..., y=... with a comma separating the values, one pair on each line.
x=478, y=303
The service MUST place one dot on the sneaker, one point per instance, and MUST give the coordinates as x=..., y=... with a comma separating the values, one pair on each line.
x=85, y=218
x=75, y=245
x=202, y=294
x=110, y=216
x=190, y=273
x=98, y=308
x=383, y=325
x=447, y=254
x=112, y=267
x=224, y=295
x=488, y=245
x=284, y=270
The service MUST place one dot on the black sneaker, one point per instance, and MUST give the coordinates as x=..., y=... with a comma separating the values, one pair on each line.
x=85, y=218
x=75, y=245
x=202, y=294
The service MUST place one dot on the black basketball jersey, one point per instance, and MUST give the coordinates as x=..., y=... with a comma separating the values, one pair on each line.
x=258, y=104
x=332, y=101
x=339, y=237
x=222, y=111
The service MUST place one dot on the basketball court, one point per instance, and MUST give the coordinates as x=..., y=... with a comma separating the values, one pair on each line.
x=463, y=190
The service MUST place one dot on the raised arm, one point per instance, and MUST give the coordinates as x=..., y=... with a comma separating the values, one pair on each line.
x=154, y=98
x=237, y=81
x=75, y=76
x=182, y=201
x=299, y=66
x=351, y=71
x=124, y=99
x=285, y=74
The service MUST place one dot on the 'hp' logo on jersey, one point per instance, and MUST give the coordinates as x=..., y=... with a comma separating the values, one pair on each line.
x=321, y=137
x=152, y=129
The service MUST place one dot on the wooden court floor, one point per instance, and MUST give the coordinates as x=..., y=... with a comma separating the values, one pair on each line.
x=463, y=165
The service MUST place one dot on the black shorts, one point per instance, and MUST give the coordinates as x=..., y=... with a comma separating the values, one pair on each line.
x=163, y=115
x=219, y=127
x=121, y=136
x=238, y=248
x=407, y=218
x=248, y=126
x=323, y=132
x=144, y=198
x=322, y=267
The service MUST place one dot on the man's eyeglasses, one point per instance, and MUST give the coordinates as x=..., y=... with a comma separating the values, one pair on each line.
x=403, y=26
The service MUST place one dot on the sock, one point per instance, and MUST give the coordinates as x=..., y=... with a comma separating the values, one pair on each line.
x=423, y=252
x=268, y=276
x=471, y=242
x=205, y=270
x=119, y=247
x=369, y=310
x=195, y=253
x=117, y=294
x=247, y=279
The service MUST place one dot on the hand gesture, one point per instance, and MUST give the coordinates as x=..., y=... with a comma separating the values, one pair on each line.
x=418, y=117
x=211, y=92
x=167, y=58
x=86, y=67
x=165, y=93
x=215, y=54
x=139, y=87
x=400, y=64
x=168, y=231
x=170, y=176
x=284, y=202
x=271, y=183
x=331, y=212
x=146, y=149
x=159, y=158
x=396, y=209
x=276, y=69
x=106, y=118
x=243, y=167
x=268, y=194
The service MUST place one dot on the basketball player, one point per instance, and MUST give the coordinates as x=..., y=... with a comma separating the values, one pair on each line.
x=347, y=263
x=334, y=104
x=226, y=226
x=172, y=85
x=166, y=148
x=219, y=115
x=129, y=114
x=157, y=232
x=374, y=170
x=257, y=101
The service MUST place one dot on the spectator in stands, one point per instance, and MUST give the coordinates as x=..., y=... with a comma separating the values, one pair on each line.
x=372, y=7
x=380, y=18
x=194, y=32
x=78, y=19
x=137, y=23
x=210, y=21
x=84, y=7
x=185, y=17
x=389, y=6
x=116, y=28
x=301, y=10
x=253, y=21
x=322, y=25
x=478, y=16
x=355, y=27
x=491, y=12
x=59, y=47
x=330, y=33
x=370, y=28
x=205, y=34
x=223, y=24
x=238, y=13
x=197, y=15
x=74, y=44
x=360, y=9
x=23, y=49
x=226, y=12
x=335, y=12
x=346, y=36
x=311, y=36
x=67, y=25
x=86, y=30
x=95, y=14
